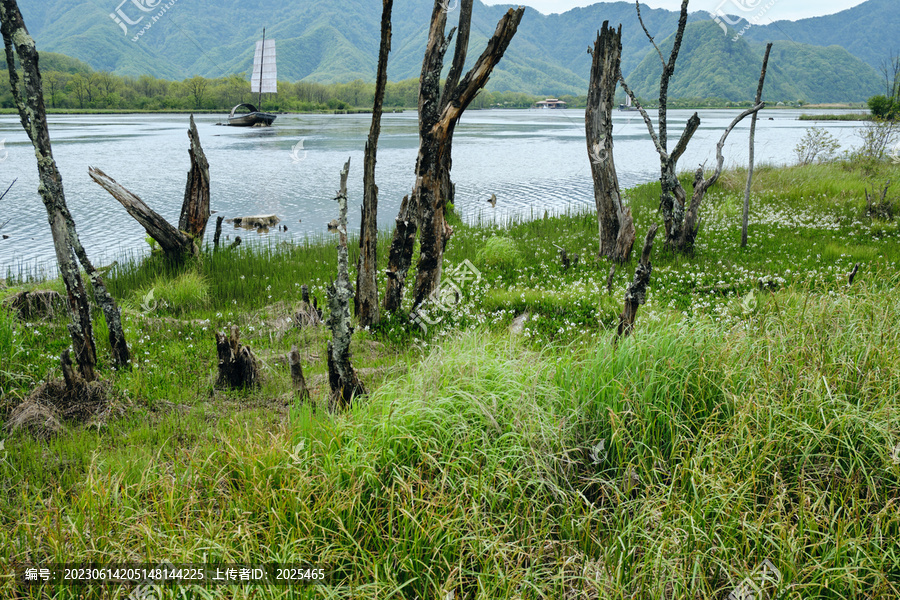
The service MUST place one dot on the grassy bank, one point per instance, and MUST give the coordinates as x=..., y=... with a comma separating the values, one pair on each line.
x=841, y=117
x=753, y=416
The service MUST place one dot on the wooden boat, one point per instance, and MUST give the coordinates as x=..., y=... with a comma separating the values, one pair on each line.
x=263, y=79
x=253, y=118
x=628, y=105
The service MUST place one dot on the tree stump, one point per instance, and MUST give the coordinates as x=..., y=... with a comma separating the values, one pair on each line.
x=297, y=374
x=636, y=292
x=238, y=367
x=309, y=314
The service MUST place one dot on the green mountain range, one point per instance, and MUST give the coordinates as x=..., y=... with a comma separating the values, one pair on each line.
x=337, y=41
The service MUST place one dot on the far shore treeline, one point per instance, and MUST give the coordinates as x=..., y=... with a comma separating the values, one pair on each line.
x=70, y=84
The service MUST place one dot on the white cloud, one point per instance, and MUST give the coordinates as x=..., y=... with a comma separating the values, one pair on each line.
x=782, y=9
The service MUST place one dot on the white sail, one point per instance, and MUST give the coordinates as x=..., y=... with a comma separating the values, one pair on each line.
x=268, y=73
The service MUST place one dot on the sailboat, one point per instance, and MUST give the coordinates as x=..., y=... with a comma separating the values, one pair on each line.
x=628, y=105
x=263, y=79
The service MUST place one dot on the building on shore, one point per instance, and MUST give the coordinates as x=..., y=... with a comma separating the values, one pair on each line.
x=550, y=103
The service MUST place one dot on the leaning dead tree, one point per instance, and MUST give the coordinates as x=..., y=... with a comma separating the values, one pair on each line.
x=345, y=384
x=759, y=91
x=21, y=53
x=616, y=225
x=423, y=210
x=682, y=220
x=636, y=292
x=366, y=299
x=176, y=242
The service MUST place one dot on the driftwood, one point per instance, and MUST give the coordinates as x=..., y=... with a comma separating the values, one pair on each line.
x=366, y=299
x=759, y=90
x=297, y=374
x=636, y=292
x=238, y=367
x=438, y=116
x=616, y=226
x=186, y=238
x=27, y=92
x=342, y=377
x=174, y=242
x=195, y=207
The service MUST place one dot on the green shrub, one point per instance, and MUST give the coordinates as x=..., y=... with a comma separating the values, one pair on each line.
x=500, y=253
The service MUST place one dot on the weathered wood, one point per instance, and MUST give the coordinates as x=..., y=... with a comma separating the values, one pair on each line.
x=195, y=207
x=366, y=299
x=27, y=92
x=237, y=367
x=691, y=219
x=610, y=277
x=636, y=292
x=759, y=90
x=342, y=377
x=612, y=221
x=852, y=274
x=438, y=116
x=218, y=233
x=433, y=230
x=70, y=376
x=309, y=314
x=400, y=256
x=297, y=378
x=174, y=242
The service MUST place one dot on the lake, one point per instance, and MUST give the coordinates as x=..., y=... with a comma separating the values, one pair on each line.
x=533, y=160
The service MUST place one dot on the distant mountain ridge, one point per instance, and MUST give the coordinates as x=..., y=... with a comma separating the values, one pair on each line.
x=337, y=40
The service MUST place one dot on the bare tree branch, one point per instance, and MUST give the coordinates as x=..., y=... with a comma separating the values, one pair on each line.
x=637, y=5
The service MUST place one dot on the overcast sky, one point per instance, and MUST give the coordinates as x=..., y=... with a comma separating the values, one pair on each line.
x=781, y=9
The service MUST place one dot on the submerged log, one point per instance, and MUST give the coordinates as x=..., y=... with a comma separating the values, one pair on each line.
x=238, y=367
x=345, y=384
x=636, y=292
x=174, y=242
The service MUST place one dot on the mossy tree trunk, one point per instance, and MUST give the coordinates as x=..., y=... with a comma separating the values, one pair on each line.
x=345, y=384
x=27, y=92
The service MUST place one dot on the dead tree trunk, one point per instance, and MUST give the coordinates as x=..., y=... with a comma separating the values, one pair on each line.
x=238, y=368
x=437, y=119
x=616, y=226
x=345, y=384
x=672, y=194
x=681, y=220
x=174, y=242
x=691, y=220
x=188, y=236
x=759, y=90
x=636, y=292
x=30, y=103
x=195, y=207
x=366, y=300
x=297, y=374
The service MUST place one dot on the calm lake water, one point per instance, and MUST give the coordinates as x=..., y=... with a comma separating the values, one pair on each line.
x=534, y=161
